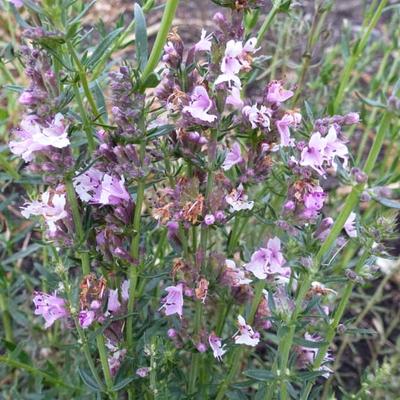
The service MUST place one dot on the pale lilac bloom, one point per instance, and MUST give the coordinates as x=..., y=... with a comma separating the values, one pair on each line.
x=216, y=346
x=200, y=104
x=113, y=190
x=125, y=289
x=87, y=183
x=289, y=120
x=86, y=318
x=258, y=117
x=276, y=93
x=233, y=157
x=17, y=3
x=209, y=219
x=52, y=211
x=350, y=226
x=34, y=137
x=115, y=358
x=237, y=200
x=173, y=301
x=246, y=335
x=234, y=98
x=26, y=98
x=204, y=44
x=334, y=147
x=50, y=307
x=313, y=201
x=169, y=51
x=201, y=347
x=313, y=154
x=268, y=261
x=234, y=276
x=113, y=302
x=143, y=372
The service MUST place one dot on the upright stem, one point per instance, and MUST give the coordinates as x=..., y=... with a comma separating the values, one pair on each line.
x=135, y=244
x=268, y=20
x=166, y=22
x=286, y=342
x=78, y=224
x=104, y=364
x=6, y=318
x=351, y=62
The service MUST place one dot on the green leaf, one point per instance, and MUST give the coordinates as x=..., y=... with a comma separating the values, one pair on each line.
x=152, y=80
x=310, y=344
x=140, y=37
x=121, y=384
x=88, y=380
x=22, y=254
x=387, y=202
x=259, y=374
x=103, y=46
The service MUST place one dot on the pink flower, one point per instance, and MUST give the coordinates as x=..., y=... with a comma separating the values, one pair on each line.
x=113, y=190
x=237, y=199
x=268, y=261
x=276, y=92
x=201, y=347
x=204, y=44
x=17, y=3
x=334, y=147
x=257, y=117
x=34, y=137
x=283, y=125
x=113, y=303
x=234, y=98
x=26, y=98
x=94, y=186
x=209, y=219
x=115, y=358
x=143, y=372
x=50, y=307
x=173, y=301
x=216, y=346
x=350, y=226
x=246, y=335
x=313, y=154
x=233, y=276
x=200, y=104
x=313, y=201
x=52, y=209
x=125, y=289
x=86, y=318
x=233, y=157
x=236, y=59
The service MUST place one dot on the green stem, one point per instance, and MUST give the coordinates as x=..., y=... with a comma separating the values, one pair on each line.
x=5, y=315
x=166, y=21
x=286, y=343
x=84, y=82
x=85, y=120
x=104, y=364
x=351, y=62
x=78, y=224
x=266, y=24
x=133, y=272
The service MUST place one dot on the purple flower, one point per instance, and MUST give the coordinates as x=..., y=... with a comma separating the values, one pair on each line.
x=267, y=261
x=115, y=358
x=50, y=307
x=173, y=301
x=246, y=335
x=51, y=208
x=209, y=219
x=86, y=318
x=234, y=98
x=350, y=226
x=200, y=104
x=17, y=3
x=27, y=98
x=201, y=347
x=113, y=302
x=233, y=276
x=313, y=154
x=257, y=117
x=313, y=201
x=233, y=157
x=35, y=137
x=283, y=125
x=276, y=93
x=216, y=346
x=113, y=190
x=125, y=289
x=143, y=372
x=204, y=44
x=334, y=147
x=237, y=199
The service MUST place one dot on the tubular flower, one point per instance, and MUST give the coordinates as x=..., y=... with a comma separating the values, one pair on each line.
x=173, y=301
x=199, y=105
x=50, y=307
x=246, y=335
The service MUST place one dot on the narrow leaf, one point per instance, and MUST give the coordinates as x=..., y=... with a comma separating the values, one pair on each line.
x=140, y=37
